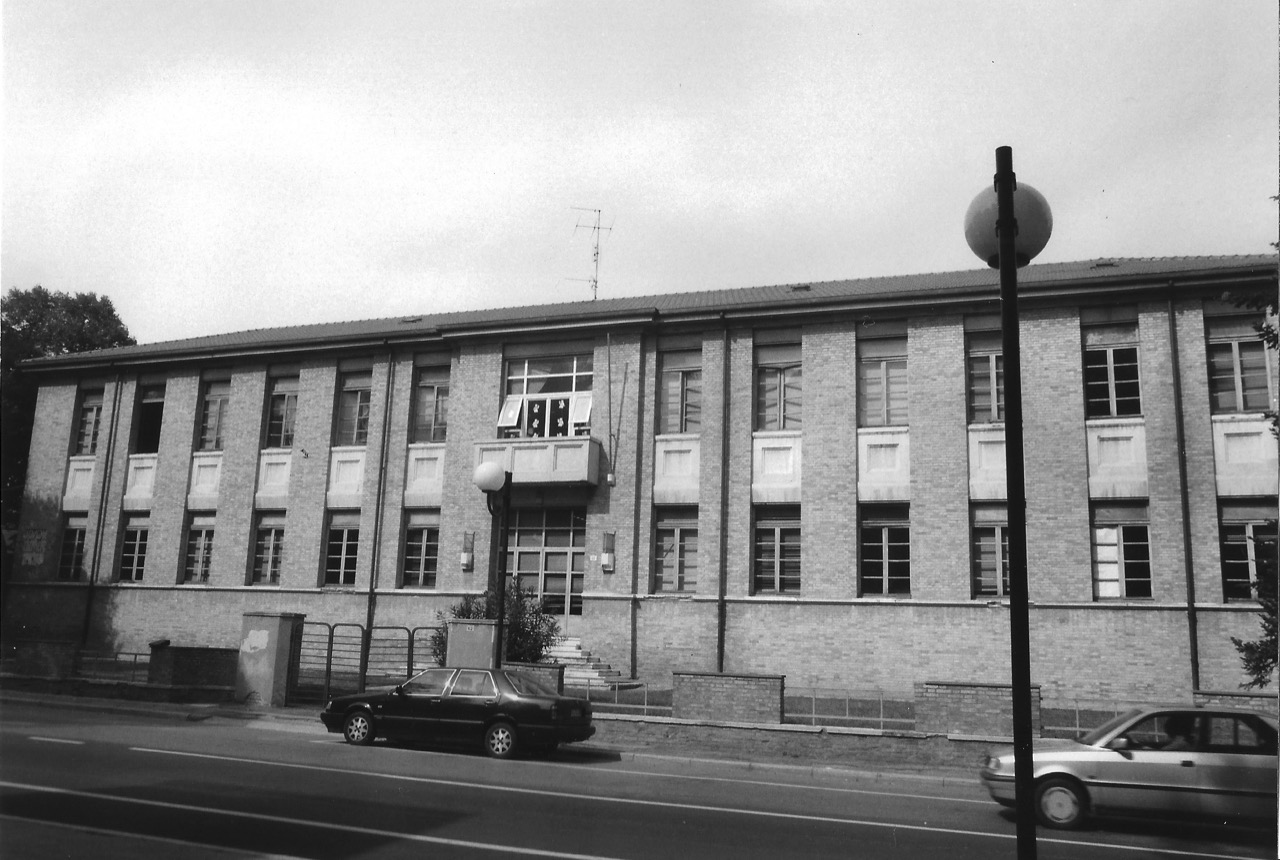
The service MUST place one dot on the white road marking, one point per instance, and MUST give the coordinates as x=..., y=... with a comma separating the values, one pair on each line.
x=163, y=840
x=45, y=740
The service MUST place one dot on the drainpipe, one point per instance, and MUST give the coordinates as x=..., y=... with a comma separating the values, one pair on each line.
x=1193, y=633
x=376, y=555
x=723, y=578
x=101, y=518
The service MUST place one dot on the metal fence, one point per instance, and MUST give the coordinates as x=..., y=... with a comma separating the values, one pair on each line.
x=629, y=697
x=128, y=666
x=861, y=709
x=330, y=656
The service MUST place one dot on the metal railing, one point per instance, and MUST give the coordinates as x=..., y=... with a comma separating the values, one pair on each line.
x=129, y=666
x=628, y=697
x=860, y=709
x=330, y=656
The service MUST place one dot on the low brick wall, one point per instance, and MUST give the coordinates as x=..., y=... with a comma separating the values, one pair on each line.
x=980, y=710
x=42, y=658
x=728, y=698
x=181, y=666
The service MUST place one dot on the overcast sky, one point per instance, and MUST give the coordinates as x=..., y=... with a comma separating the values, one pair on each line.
x=223, y=165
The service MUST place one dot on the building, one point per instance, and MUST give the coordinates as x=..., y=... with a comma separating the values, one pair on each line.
x=804, y=480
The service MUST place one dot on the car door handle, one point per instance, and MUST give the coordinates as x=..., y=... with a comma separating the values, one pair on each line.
x=1187, y=763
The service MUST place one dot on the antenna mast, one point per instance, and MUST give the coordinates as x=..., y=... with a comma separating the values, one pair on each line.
x=595, y=229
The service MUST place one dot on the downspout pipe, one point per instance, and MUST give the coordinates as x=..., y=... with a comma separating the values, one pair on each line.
x=1193, y=629
x=101, y=518
x=722, y=584
x=378, y=518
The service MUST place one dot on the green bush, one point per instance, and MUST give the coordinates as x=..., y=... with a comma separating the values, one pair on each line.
x=527, y=631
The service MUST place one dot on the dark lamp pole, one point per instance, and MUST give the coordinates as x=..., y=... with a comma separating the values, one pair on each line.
x=1006, y=226
x=495, y=481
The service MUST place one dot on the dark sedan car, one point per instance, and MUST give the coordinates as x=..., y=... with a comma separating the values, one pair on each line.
x=505, y=709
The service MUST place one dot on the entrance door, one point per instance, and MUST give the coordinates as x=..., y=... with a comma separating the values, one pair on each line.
x=548, y=554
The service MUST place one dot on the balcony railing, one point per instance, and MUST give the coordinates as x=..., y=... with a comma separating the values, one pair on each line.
x=1244, y=455
x=555, y=460
x=676, y=463
x=80, y=468
x=775, y=466
x=424, y=475
x=884, y=464
x=1117, y=458
x=206, y=478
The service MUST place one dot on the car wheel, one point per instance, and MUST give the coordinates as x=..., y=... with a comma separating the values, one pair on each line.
x=500, y=740
x=1060, y=803
x=358, y=728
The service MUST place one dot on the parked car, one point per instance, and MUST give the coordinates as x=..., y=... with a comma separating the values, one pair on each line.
x=504, y=709
x=1185, y=762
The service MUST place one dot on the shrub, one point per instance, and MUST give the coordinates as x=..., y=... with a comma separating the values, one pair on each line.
x=527, y=631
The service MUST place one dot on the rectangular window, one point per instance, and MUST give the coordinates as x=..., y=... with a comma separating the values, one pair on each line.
x=421, y=549
x=547, y=396
x=1239, y=373
x=213, y=414
x=986, y=378
x=133, y=554
x=1121, y=552
x=268, y=550
x=680, y=391
x=354, y=396
x=90, y=420
x=547, y=551
x=1247, y=532
x=675, y=556
x=1111, y=386
x=150, y=417
x=199, y=556
x=779, y=387
x=882, y=382
x=431, y=405
x=75, y=531
x=884, y=550
x=777, y=550
x=342, y=551
x=990, y=551
x=282, y=407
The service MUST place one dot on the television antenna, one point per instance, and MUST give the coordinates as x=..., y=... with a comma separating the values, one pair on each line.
x=596, y=230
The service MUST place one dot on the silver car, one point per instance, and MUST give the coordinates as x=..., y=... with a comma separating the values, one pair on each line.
x=1188, y=761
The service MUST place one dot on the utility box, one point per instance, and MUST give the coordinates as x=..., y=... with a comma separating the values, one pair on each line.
x=270, y=646
x=471, y=643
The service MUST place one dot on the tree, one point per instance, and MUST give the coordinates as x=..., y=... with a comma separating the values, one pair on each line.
x=38, y=323
x=528, y=632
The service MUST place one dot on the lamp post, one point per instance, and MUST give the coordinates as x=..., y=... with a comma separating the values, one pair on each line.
x=1006, y=232
x=495, y=481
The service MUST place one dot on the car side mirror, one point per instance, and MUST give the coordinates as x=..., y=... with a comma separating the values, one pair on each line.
x=399, y=690
x=1122, y=746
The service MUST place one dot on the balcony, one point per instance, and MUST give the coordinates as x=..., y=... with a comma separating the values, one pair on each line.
x=558, y=460
x=206, y=477
x=884, y=464
x=140, y=481
x=775, y=466
x=987, y=478
x=676, y=461
x=424, y=475
x=273, y=478
x=346, y=477
x=80, y=469
x=1244, y=455
x=1117, y=458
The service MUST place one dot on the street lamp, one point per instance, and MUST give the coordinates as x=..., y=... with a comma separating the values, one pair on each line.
x=1006, y=226
x=495, y=481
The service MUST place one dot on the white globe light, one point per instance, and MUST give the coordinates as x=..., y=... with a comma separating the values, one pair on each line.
x=1035, y=224
x=489, y=476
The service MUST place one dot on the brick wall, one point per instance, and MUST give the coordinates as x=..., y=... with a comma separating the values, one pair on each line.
x=970, y=709
x=728, y=698
x=176, y=665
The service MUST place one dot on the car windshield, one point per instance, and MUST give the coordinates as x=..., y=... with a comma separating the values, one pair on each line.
x=527, y=685
x=1093, y=737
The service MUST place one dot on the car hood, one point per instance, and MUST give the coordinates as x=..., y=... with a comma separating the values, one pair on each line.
x=1041, y=745
x=369, y=693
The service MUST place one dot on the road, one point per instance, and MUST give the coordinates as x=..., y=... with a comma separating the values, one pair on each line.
x=76, y=783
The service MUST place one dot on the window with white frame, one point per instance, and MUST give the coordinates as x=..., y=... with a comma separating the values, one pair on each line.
x=199, y=556
x=75, y=532
x=1111, y=386
x=776, y=564
x=282, y=409
x=675, y=551
x=354, y=397
x=146, y=438
x=213, y=414
x=268, y=549
x=680, y=391
x=779, y=387
x=342, y=549
x=884, y=550
x=430, y=405
x=133, y=550
x=1247, y=533
x=89, y=421
x=1121, y=552
x=547, y=551
x=421, y=549
x=547, y=396
x=1239, y=370
x=985, y=371
x=882, y=382
x=990, y=551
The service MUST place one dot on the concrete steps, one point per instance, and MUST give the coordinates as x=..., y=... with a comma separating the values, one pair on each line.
x=581, y=668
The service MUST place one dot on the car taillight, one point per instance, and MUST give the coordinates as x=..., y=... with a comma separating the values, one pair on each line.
x=555, y=711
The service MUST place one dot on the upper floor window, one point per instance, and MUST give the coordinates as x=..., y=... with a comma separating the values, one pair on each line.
x=421, y=549
x=354, y=396
x=675, y=557
x=268, y=549
x=75, y=531
x=1248, y=537
x=779, y=387
x=990, y=551
x=777, y=550
x=282, y=409
x=342, y=550
x=1121, y=552
x=89, y=422
x=150, y=417
x=884, y=550
x=430, y=405
x=133, y=553
x=1239, y=373
x=882, y=382
x=1111, y=386
x=680, y=391
x=985, y=371
x=213, y=415
x=547, y=396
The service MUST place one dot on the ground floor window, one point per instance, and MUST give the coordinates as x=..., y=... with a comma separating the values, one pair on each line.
x=421, y=549
x=75, y=532
x=675, y=551
x=268, y=550
x=1121, y=552
x=990, y=551
x=547, y=551
x=342, y=549
x=199, y=557
x=1248, y=535
x=884, y=550
x=133, y=553
x=776, y=566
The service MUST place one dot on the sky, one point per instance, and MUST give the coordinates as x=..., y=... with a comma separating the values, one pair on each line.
x=225, y=165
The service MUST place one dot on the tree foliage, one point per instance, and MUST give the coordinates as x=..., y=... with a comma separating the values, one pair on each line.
x=1259, y=655
x=527, y=631
x=38, y=323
